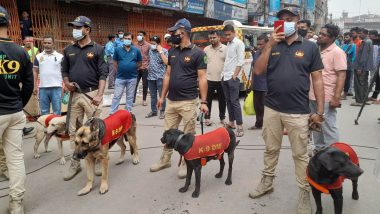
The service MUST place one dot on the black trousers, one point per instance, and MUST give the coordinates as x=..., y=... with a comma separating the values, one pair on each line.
x=360, y=85
x=377, y=87
x=142, y=74
x=258, y=104
x=212, y=86
x=347, y=82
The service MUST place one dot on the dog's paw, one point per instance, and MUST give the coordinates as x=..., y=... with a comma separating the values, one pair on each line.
x=195, y=194
x=135, y=160
x=103, y=189
x=62, y=161
x=37, y=156
x=219, y=175
x=120, y=161
x=183, y=189
x=84, y=191
x=355, y=196
x=228, y=182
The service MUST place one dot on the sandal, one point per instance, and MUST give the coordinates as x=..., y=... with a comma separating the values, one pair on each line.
x=226, y=125
x=208, y=122
x=239, y=132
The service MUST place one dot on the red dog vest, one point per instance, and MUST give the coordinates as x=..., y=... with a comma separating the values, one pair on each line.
x=49, y=118
x=210, y=144
x=347, y=149
x=116, y=125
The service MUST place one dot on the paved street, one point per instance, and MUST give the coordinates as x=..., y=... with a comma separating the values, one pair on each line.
x=133, y=189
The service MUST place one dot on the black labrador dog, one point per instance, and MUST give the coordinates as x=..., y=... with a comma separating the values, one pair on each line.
x=327, y=170
x=185, y=143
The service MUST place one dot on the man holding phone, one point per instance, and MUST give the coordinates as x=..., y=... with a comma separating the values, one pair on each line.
x=334, y=75
x=289, y=61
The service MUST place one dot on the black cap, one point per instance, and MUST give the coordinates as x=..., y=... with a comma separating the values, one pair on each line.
x=4, y=16
x=81, y=21
x=155, y=39
x=184, y=23
x=293, y=10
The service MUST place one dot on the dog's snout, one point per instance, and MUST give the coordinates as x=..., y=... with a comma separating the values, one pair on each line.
x=80, y=155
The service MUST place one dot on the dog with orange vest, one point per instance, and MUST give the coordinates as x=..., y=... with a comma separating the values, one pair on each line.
x=94, y=139
x=327, y=170
x=48, y=126
x=198, y=150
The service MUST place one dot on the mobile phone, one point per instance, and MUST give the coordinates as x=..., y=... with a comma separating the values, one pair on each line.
x=278, y=23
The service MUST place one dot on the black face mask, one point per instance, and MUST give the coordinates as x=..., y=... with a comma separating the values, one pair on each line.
x=302, y=32
x=176, y=39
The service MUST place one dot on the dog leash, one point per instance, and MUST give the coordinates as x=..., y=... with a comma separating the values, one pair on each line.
x=30, y=115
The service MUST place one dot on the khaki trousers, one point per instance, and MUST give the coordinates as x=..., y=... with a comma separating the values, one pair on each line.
x=81, y=106
x=186, y=111
x=11, y=126
x=297, y=127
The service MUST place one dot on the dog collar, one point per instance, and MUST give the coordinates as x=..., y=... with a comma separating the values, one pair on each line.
x=177, y=141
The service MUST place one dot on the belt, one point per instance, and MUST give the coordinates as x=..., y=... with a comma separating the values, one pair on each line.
x=86, y=90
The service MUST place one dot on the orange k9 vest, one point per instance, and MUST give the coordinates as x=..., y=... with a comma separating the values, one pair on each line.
x=211, y=144
x=347, y=149
x=49, y=118
x=116, y=125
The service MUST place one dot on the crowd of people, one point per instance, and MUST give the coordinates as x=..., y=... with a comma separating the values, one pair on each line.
x=299, y=80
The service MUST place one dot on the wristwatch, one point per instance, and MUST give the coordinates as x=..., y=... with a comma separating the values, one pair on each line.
x=204, y=102
x=320, y=114
x=161, y=52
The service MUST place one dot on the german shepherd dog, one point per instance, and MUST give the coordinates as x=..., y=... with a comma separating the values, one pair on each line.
x=47, y=127
x=326, y=171
x=183, y=143
x=89, y=146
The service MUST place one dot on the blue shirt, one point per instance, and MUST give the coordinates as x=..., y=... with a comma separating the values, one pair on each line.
x=259, y=81
x=351, y=54
x=157, y=67
x=118, y=43
x=127, y=62
x=110, y=48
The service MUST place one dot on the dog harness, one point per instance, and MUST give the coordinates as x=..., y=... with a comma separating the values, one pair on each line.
x=347, y=149
x=49, y=118
x=211, y=144
x=116, y=125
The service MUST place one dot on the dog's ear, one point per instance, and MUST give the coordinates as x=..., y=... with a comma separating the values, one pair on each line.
x=327, y=159
x=94, y=126
x=78, y=124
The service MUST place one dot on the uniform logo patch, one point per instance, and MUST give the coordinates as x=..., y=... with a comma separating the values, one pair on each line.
x=77, y=19
x=90, y=55
x=275, y=53
x=71, y=54
x=205, y=59
x=299, y=54
x=187, y=59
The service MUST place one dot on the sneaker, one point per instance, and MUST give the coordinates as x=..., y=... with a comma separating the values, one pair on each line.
x=151, y=114
x=265, y=186
x=164, y=162
x=73, y=170
x=304, y=204
x=162, y=115
x=16, y=207
x=145, y=103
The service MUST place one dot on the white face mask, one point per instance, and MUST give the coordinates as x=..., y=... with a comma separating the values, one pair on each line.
x=139, y=38
x=77, y=34
x=289, y=28
x=121, y=36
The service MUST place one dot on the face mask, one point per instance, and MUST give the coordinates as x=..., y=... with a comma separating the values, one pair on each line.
x=127, y=42
x=289, y=28
x=176, y=39
x=153, y=47
x=77, y=34
x=302, y=32
x=139, y=38
x=121, y=36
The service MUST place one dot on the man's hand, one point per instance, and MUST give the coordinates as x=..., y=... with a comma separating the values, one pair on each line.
x=204, y=108
x=35, y=90
x=97, y=99
x=70, y=86
x=276, y=37
x=160, y=103
x=335, y=102
x=317, y=119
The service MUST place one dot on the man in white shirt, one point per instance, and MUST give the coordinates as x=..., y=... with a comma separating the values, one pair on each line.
x=231, y=78
x=48, y=65
x=216, y=55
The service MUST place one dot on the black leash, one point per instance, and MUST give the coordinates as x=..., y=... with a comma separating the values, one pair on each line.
x=30, y=115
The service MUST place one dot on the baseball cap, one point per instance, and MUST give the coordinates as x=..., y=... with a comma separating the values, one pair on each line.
x=184, y=23
x=4, y=16
x=167, y=36
x=155, y=39
x=80, y=21
x=293, y=10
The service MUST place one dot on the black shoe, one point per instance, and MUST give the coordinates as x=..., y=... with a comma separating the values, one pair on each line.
x=350, y=94
x=151, y=114
x=27, y=131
